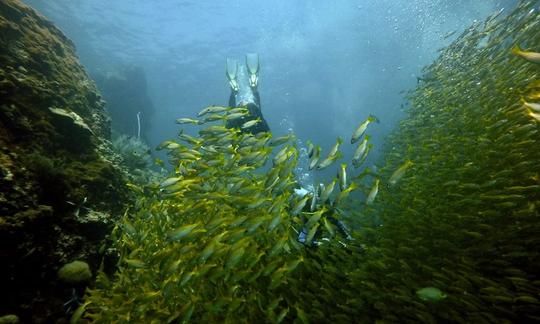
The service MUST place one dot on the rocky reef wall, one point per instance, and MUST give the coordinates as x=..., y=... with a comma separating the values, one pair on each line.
x=128, y=103
x=60, y=186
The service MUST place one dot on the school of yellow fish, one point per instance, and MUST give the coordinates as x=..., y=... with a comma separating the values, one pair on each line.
x=447, y=229
x=217, y=240
x=460, y=211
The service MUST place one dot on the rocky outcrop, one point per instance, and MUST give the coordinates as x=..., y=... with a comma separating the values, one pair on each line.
x=60, y=187
x=126, y=93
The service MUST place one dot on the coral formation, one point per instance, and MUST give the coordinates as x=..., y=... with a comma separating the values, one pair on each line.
x=134, y=152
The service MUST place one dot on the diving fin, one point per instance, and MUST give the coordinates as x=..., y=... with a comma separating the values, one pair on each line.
x=252, y=62
x=232, y=69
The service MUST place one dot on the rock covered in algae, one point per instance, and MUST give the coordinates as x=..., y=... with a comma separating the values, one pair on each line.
x=75, y=272
x=55, y=162
x=9, y=319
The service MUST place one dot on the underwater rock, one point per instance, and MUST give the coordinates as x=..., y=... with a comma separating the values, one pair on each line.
x=9, y=319
x=72, y=119
x=60, y=183
x=75, y=272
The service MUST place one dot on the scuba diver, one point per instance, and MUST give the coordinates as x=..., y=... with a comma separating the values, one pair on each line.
x=246, y=94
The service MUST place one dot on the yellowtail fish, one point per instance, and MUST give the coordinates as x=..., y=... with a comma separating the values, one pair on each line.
x=78, y=314
x=213, y=117
x=135, y=263
x=529, y=56
x=327, y=191
x=332, y=155
x=236, y=115
x=536, y=116
x=237, y=110
x=274, y=222
x=189, y=139
x=300, y=205
x=170, y=145
x=182, y=232
x=316, y=155
x=430, y=294
x=209, y=149
x=329, y=160
x=373, y=193
x=345, y=193
x=342, y=176
x=282, y=314
x=281, y=140
x=361, y=149
x=208, y=251
x=261, y=140
x=313, y=219
x=329, y=227
x=361, y=129
x=314, y=197
x=283, y=155
x=311, y=234
x=532, y=106
x=212, y=109
x=187, y=156
x=215, y=129
x=235, y=257
x=251, y=123
x=358, y=162
x=335, y=148
x=310, y=148
x=291, y=265
x=398, y=174
x=169, y=182
x=187, y=121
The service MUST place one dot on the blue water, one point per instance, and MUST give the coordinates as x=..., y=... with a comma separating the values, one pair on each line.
x=325, y=65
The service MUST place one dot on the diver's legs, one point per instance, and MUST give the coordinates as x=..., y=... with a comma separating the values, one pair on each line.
x=231, y=71
x=256, y=95
x=343, y=229
x=252, y=63
x=232, y=98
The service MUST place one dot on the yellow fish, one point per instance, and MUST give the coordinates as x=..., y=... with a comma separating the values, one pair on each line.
x=529, y=56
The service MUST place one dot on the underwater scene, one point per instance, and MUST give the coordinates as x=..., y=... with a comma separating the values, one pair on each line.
x=270, y=162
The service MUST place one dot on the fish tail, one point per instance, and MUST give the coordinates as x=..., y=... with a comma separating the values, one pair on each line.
x=516, y=50
x=374, y=118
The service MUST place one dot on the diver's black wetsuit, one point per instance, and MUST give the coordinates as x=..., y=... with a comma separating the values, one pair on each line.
x=254, y=113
